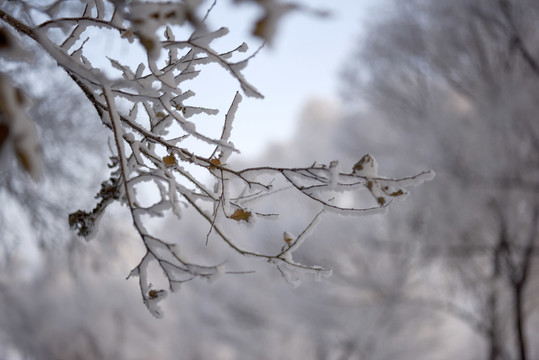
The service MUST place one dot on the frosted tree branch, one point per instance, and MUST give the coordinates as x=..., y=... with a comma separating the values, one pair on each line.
x=150, y=116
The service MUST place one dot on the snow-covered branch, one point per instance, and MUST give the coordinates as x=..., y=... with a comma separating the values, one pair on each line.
x=149, y=112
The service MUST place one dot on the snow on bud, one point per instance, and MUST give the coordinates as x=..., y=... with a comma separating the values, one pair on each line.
x=219, y=271
x=334, y=170
x=366, y=166
x=154, y=294
x=152, y=300
x=288, y=237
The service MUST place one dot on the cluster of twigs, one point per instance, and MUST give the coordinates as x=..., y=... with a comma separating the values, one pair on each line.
x=148, y=113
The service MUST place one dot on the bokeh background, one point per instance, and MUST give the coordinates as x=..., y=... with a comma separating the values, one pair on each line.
x=450, y=273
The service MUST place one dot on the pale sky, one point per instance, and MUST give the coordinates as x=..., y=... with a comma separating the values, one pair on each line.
x=303, y=62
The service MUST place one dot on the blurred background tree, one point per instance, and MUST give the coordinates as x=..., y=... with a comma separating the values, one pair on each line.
x=461, y=78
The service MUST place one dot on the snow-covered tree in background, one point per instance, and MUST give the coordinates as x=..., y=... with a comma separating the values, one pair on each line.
x=60, y=124
x=154, y=121
x=78, y=304
x=462, y=78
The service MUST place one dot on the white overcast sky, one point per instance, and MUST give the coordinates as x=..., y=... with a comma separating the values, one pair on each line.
x=302, y=63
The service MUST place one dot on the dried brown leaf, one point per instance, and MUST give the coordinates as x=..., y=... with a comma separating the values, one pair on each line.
x=170, y=160
x=214, y=163
x=241, y=214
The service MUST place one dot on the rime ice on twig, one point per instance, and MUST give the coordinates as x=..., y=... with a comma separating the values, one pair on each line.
x=148, y=110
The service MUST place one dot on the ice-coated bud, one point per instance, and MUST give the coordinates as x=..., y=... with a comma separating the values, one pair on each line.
x=367, y=166
x=288, y=237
